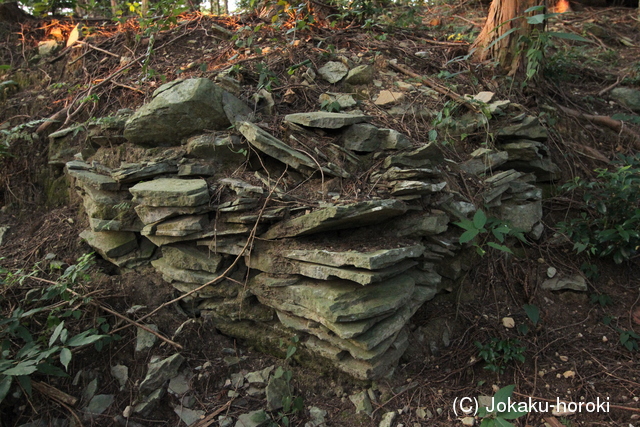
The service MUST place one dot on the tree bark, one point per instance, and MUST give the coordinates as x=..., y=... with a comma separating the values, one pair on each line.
x=500, y=20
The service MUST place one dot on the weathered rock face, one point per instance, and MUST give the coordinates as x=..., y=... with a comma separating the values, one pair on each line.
x=312, y=239
x=182, y=108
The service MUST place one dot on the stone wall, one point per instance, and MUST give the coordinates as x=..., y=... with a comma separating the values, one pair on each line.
x=338, y=234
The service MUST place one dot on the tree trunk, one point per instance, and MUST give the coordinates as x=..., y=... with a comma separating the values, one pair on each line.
x=11, y=13
x=500, y=20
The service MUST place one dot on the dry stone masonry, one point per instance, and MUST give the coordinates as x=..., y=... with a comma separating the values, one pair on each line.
x=337, y=233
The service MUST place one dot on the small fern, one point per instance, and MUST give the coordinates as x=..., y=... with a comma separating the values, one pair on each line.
x=22, y=132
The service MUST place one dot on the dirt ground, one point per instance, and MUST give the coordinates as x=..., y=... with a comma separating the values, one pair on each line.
x=570, y=354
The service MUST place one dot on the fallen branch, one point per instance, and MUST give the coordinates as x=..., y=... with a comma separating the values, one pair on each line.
x=55, y=394
x=436, y=86
x=210, y=419
x=606, y=121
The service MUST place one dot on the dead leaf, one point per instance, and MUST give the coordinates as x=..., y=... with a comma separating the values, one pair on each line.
x=636, y=316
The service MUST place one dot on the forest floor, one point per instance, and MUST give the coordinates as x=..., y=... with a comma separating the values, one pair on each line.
x=570, y=353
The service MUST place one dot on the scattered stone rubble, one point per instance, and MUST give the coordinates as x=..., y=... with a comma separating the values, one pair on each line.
x=343, y=269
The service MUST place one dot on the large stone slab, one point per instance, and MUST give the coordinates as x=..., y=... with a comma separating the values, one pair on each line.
x=109, y=210
x=153, y=214
x=260, y=260
x=374, y=260
x=361, y=369
x=528, y=127
x=191, y=258
x=403, y=188
x=134, y=172
x=325, y=120
x=420, y=224
x=333, y=71
x=322, y=332
x=426, y=156
x=178, y=227
x=337, y=218
x=172, y=274
x=178, y=109
x=111, y=244
x=335, y=301
x=226, y=152
x=171, y=192
x=94, y=180
x=275, y=148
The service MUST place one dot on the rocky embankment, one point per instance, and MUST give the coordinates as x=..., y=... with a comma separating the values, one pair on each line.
x=337, y=232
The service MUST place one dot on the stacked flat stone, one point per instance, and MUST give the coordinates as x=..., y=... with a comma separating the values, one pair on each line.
x=349, y=307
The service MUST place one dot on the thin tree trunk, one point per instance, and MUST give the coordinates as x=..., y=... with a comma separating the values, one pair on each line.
x=500, y=20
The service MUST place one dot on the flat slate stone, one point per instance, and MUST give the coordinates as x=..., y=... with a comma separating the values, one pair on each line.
x=337, y=218
x=368, y=260
x=178, y=109
x=402, y=188
x=325, y=120
x=160, y=371
x=178, y=227
x=153, y=214
x=171, y=192
x=528, y=128
x=265, y=262
x=95, y=180
x=271, y=146
x=190, y=258
x=424, y=157
x=111, y=244
x=322, y=332
x=171, y=274
x=133, y=172
x=337, y=300
x=395, y=173
x=333, y=71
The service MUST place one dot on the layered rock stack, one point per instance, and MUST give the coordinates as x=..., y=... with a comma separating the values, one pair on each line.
x=337, y=235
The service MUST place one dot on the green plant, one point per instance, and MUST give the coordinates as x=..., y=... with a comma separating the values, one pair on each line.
x=502, y=410
x=533, y=313
x=31, y=343
x=291, y=404
x=602, y=299
x=628, y=338
x=330, y=106
x=609, y=224
x=266, y=77
x=21, y=132
x=485, y=227
x=499, y=353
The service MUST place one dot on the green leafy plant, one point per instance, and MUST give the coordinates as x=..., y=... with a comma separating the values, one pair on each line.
x=628, y=338
x=266, y=77
x=499, y=353
x=601, y=299
x=330, y=106
x=533, y=313
x=498, y=418
x=32, y=345
x=609, y=221
x=487, y=227
x=291, y=404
